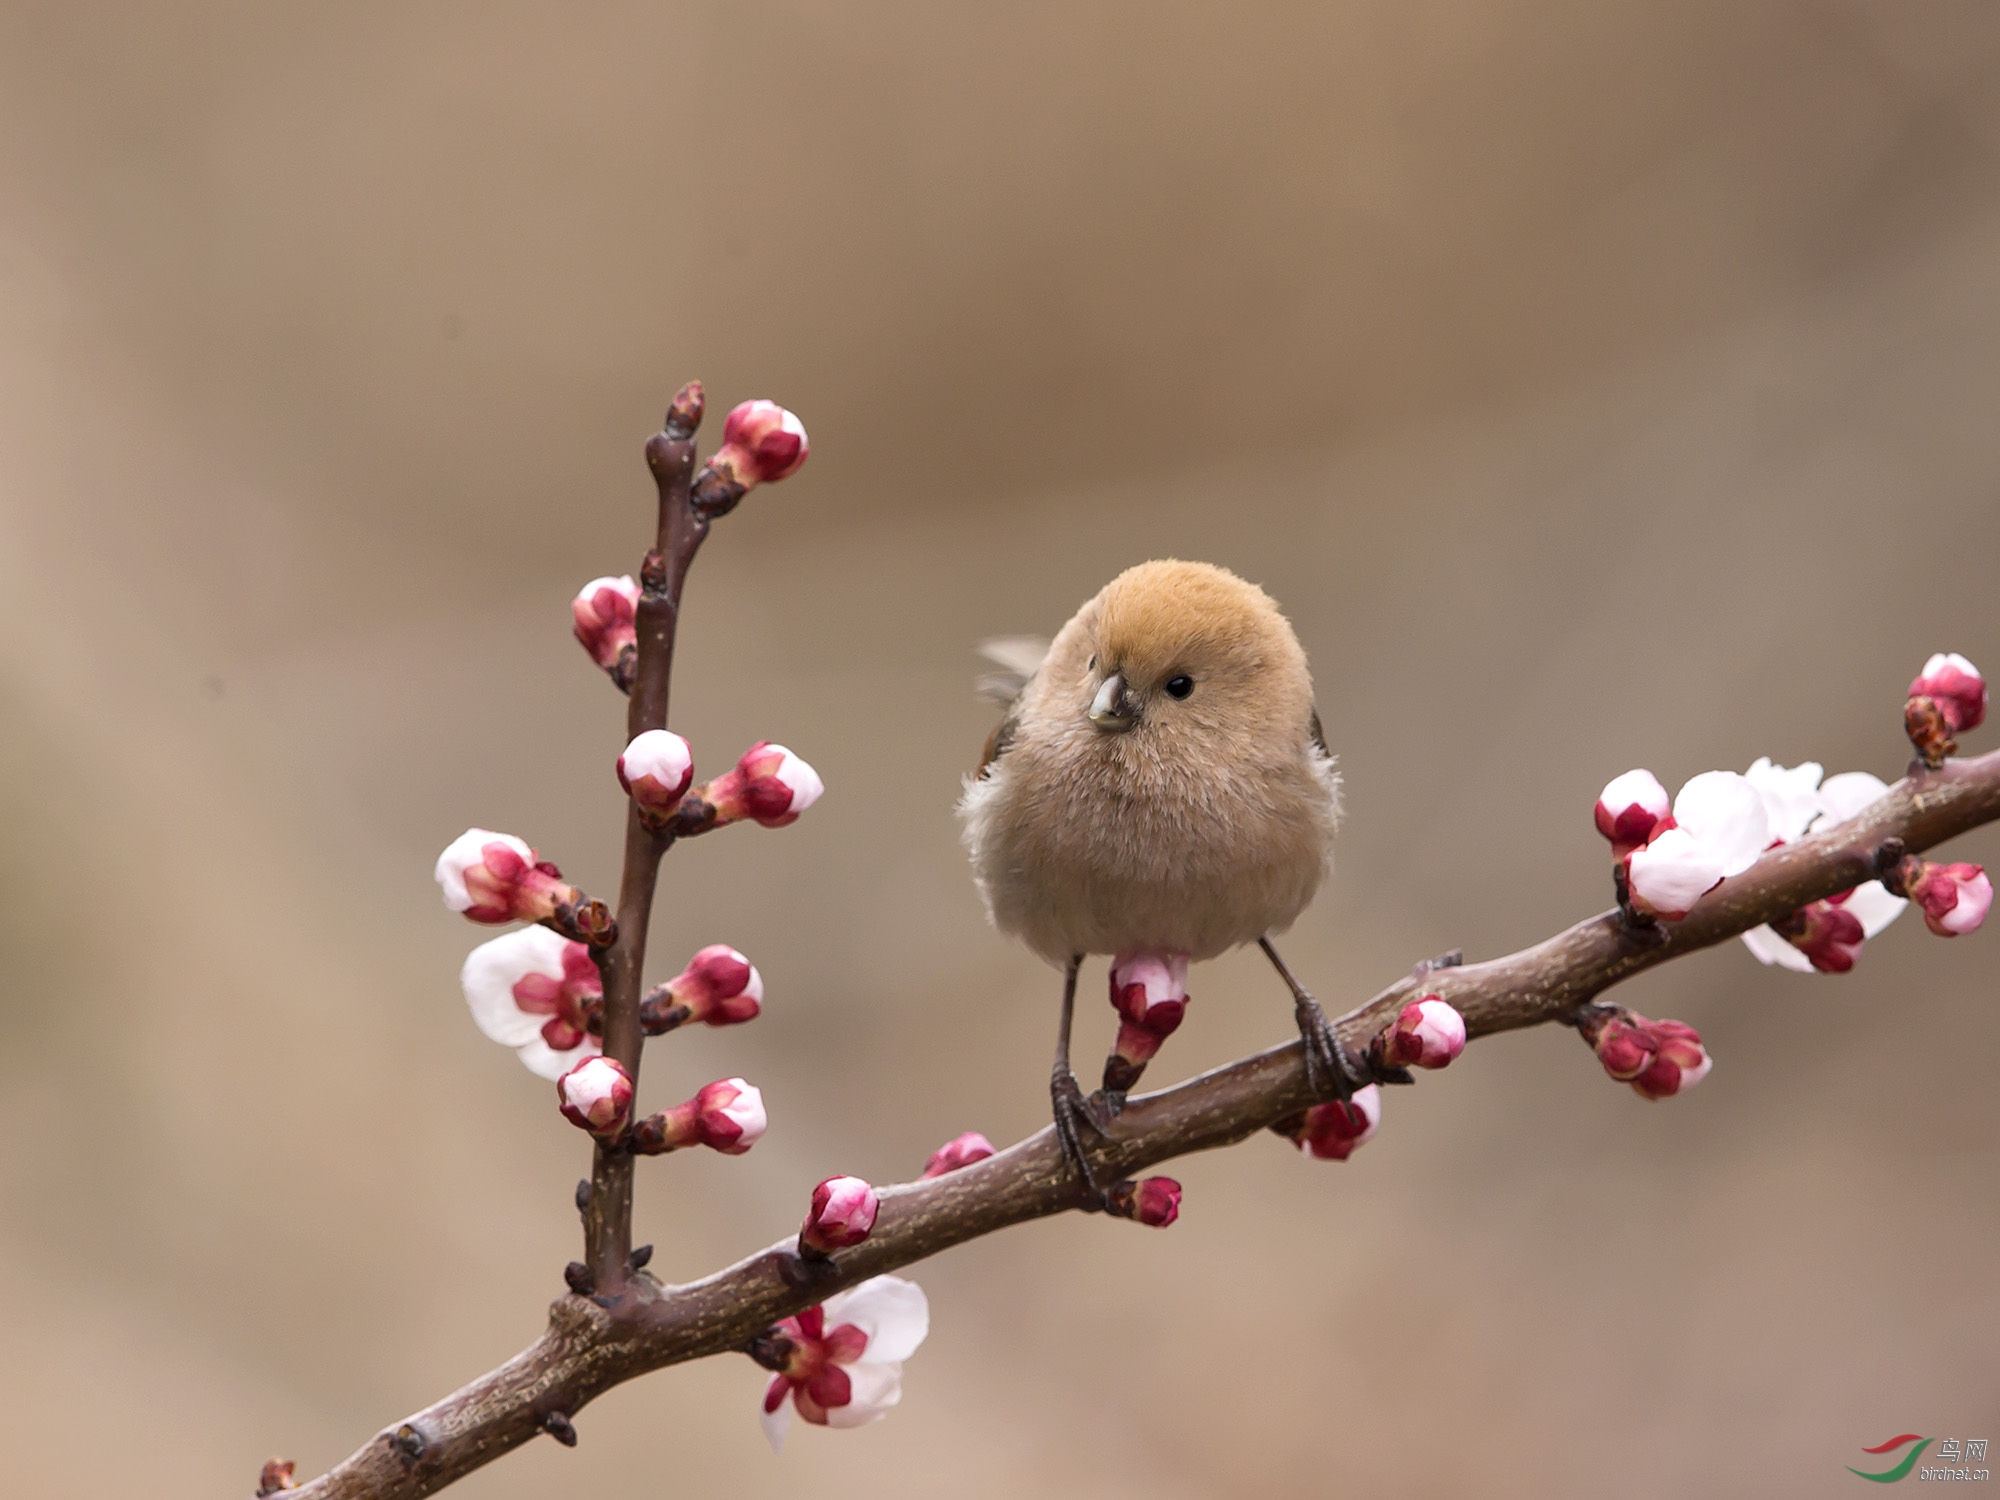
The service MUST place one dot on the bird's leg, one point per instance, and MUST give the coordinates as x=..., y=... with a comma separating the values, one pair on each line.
x=1329, y=1071
x=1066, y=1096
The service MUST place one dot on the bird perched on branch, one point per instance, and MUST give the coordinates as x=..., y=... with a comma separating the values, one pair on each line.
x=1159, y=790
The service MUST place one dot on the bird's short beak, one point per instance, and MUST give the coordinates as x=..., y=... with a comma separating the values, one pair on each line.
x=1113, y=709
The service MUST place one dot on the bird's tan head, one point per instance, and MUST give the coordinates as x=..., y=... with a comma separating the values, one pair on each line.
x=1186, y=655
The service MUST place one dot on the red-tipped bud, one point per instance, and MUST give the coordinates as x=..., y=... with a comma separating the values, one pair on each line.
x=685, y=411
x=762, y=443
x=1149, y=992
x=1152, y=1201
x=1826, y=932
x=961, y=1151
x=1331, y=1131
x=494, y=877
x=276, y=1477
x=604, y=610
x=1428, y=1034
x=770, y=785
x=1954, y=898
x=1631, y=809
x=656, y=769
x=719, y=987
x=1658, y=1058
x=843, y=1214
x=596, y=1095
x=727, y=1116
x=1956, y=686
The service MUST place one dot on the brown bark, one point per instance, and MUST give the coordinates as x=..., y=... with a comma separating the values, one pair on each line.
x=594, y=1344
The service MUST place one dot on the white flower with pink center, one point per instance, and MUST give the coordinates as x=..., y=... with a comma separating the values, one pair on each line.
x=1823, y=943
x=844, y=1359
x=536, y=991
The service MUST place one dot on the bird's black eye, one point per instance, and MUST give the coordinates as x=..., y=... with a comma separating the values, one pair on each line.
x=1180, y=687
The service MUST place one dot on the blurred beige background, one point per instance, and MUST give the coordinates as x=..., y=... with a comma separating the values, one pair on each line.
x=1596, y=386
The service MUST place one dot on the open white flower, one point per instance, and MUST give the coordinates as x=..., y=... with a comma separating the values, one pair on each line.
x=535, y=991
x=1834, y=800
x=844, y=1365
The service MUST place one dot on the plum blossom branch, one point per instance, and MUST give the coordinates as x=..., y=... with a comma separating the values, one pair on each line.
x=595, y=1342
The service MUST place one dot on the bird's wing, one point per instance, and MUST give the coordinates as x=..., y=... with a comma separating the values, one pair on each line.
x=1018, y=658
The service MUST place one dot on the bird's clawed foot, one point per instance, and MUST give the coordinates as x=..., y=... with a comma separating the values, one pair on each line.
x=1330, y=1072
x=1073, y=1116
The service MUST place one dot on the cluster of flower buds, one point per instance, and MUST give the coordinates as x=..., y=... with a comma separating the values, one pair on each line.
x=842, y=1214
x=769, y=785
x=1149, y=992
x=719, y=987
x=596, y=1095
x=1332, y=1131
x=656, y=770
x=1152, y=1201
x=606, y=615
x=841, y=1363
x=727, y=1116
x=1658, y=1058
x=1947, y=698
x=538, y=992
x=495, y=877
x=960, y=1151
x=761, y=444
x=1953, y=898
x=1427, y=1033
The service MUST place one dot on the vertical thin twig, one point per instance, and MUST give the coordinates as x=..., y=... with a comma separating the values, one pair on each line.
x=670, y=455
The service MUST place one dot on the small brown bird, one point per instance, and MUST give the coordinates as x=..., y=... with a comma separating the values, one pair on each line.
x=1158, y=786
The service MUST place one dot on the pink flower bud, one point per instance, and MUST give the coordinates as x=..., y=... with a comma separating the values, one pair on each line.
x=1658, y=1058
x=656, y=769
x=843, y=1213
x=1152, y=1201
x=493, y=877
x=1954, y=898
x=770, y=785
x=719, y=987
x=961, y=1151
x=596, y=1095
x=604, y=609
x=1630, y=809
x=1331, y=1131
x=1956, y=686
x=727, y=1116
x=762, y=443
x=1826, y=932
x=1671, y=873
x=1428, y=1034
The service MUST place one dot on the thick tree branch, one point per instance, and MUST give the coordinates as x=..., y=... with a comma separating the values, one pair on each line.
x=593, y=1344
